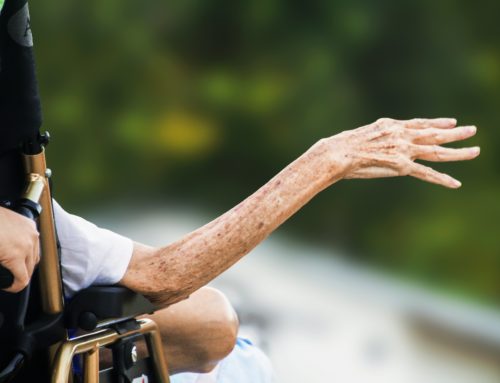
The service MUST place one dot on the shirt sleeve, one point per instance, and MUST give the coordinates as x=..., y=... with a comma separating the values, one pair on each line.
x=90, y=255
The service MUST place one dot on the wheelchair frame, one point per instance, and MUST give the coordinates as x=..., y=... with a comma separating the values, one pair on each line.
x=62, y=354
x=47, y=334
x=106, y=331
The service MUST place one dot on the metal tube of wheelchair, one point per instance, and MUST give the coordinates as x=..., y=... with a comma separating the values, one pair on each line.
x=89, y=343
x=21, y=119
x=50, y=273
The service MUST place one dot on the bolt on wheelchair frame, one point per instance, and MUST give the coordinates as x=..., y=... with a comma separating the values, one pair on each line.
x=33, y=337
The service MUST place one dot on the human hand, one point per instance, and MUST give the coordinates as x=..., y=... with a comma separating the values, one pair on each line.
x=19, y=247
x=388, y=148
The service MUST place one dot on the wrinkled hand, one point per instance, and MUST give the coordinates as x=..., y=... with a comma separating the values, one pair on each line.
x=19, y=247
x=388, y=148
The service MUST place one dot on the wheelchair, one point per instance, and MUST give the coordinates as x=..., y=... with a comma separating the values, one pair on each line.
x=42, y=337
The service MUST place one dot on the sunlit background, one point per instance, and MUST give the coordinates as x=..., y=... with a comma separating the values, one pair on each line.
x=165, y=114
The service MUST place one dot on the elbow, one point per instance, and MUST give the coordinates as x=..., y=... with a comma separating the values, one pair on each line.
x=145, y=275
x=165, y=297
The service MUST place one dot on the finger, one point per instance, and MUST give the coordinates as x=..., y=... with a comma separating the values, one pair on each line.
x=21, y=278
x=433, y=136
x=439, y=154
x=428, y=174
x=437, y=123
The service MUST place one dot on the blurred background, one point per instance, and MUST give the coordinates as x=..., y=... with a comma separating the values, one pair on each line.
x=165, y=114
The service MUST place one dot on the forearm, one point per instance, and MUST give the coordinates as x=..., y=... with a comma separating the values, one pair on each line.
x=171, y=273
x=386, y=148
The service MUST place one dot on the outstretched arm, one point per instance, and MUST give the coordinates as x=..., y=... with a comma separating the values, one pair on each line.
x=385, y=148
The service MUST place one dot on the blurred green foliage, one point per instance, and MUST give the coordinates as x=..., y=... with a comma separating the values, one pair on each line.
x=206, y=100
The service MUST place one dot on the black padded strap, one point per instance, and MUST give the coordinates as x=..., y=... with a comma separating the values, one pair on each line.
x=20, y=111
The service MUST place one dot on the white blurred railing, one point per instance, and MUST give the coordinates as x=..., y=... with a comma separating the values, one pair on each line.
x=321, y=319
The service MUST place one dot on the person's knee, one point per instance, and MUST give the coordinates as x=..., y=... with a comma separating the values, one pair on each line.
x=198, y=332
x=221, y=325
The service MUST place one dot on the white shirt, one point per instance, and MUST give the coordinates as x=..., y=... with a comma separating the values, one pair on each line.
x=90, y=255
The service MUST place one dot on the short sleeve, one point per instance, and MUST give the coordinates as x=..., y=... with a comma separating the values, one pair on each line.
x=90, y=255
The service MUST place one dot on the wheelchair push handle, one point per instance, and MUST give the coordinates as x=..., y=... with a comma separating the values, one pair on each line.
x=28, y=207
x=6, y=278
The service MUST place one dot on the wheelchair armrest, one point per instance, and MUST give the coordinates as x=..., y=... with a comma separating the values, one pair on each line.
x=107, y=304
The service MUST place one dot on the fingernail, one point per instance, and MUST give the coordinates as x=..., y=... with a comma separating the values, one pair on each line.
x=476, y=150
x=456, y=183
x=471, y=129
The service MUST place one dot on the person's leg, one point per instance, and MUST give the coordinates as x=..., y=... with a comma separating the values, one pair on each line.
x=199, y=336
x=200, y=344
x=198, y=332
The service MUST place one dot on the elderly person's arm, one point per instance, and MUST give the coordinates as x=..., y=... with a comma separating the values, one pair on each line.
x=385, y=148
x=196, y=333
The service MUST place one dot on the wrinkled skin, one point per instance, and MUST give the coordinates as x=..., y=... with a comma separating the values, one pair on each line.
x=385, y=148
x=388, y=148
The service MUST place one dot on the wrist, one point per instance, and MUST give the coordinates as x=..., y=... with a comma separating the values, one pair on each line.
x=335, y=153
